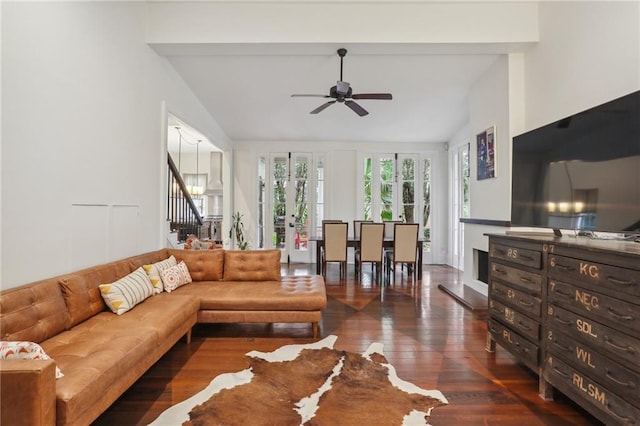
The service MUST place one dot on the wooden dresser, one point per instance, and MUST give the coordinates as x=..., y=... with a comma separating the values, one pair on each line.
x=569, y=309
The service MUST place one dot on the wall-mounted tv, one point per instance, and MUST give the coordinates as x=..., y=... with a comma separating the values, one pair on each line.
x=581, y=172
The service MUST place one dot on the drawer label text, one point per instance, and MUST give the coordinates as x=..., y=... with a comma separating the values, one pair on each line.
x=590, y=389
x=585, y=327
x=584, y=356
x=587, y=300
x=589, y=270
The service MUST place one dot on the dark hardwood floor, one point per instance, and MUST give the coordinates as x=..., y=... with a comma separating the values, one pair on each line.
x=432, y=341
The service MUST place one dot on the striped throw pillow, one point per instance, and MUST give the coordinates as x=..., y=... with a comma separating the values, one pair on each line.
x=127, y=292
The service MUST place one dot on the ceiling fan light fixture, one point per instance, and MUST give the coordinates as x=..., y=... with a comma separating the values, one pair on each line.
x=342, y=87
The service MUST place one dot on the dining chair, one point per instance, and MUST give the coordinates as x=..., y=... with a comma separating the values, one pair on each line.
x=389, y=227
x=371, y=240
x=335, y=245
x=405, y=242
x=356, y=227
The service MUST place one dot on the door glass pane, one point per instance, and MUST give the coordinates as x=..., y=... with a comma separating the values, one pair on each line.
x=386, y=188
x=408, y=190
x=366, y=211
x=465, y=182
x=279, y=201
x=426, y=200
x=319, y=195
x=301, y=204
x=262, y=208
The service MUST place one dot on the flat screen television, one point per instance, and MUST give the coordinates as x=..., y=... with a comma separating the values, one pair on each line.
x=581, y=172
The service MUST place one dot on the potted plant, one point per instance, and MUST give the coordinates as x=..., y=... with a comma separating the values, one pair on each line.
x=237, y=231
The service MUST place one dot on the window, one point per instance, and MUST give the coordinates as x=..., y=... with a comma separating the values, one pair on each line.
x=262, y=202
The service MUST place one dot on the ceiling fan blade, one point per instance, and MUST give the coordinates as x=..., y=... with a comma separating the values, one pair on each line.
x=356, y=108
x=310, y=96
x=382, y=96
x=322, y=107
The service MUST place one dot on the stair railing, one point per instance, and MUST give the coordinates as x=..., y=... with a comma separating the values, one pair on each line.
x=182, y=213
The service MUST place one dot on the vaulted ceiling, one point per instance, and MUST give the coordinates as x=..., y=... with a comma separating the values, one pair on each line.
x=247, y=85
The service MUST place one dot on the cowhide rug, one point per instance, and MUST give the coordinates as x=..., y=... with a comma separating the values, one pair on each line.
x=310, y=384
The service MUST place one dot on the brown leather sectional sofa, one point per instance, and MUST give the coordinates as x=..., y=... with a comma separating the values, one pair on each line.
x=102, y=354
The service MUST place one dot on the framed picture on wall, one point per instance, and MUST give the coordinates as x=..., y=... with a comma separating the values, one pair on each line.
x=486, y=152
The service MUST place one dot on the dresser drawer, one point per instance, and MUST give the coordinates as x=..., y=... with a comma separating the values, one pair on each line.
x=611, y=407
x=596, y=276
x=609, y=310
x=594, y=334
x=521, y=256
x=524, y=302
x=611, y=374
x=514, y=343
x=521, y=323
x=522, y=279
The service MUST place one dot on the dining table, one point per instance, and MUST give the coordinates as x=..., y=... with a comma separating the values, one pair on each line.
x=353, y=242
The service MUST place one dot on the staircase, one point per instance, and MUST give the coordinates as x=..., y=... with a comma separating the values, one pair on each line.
x=182, y=215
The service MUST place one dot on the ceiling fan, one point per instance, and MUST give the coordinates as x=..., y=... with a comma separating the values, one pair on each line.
x=342, y=93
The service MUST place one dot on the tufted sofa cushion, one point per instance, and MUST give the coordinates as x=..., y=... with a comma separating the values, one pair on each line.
x=33, y=312
x=203, y=265
x=252, y=265
x=82, y=299
x=292, y=293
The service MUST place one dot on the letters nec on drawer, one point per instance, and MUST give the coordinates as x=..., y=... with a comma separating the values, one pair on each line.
x=584, y=295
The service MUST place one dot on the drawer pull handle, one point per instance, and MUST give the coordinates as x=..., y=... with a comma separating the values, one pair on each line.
x=565, y=267
x=525, y=303
x=558, y=345
x=616, y=381
x=499, y=290
x=623, y=419
x=524, y=325
x=562, y=293
x=618, y=281
x=525, y=257
x=560, y=372
x=499, y=271
x=499, y=251
x=562, y=321
x=610, y=342
x=619, y=316
x=527, y=280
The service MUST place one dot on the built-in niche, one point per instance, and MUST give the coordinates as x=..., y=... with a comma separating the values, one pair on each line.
x=481, y=265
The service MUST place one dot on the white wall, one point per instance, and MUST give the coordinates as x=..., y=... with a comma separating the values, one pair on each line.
x=83, y=135
x=588, y=53
x=489, y=198
x=310, y=22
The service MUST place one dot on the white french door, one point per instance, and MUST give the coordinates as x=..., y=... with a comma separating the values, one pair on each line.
x=460, y=190
x=292, y=202
x=398, y=187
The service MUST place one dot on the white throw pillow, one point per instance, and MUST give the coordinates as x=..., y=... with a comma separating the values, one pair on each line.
x=127, y=292
x=24, y=350
x=175, y=277
x=154, y=272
